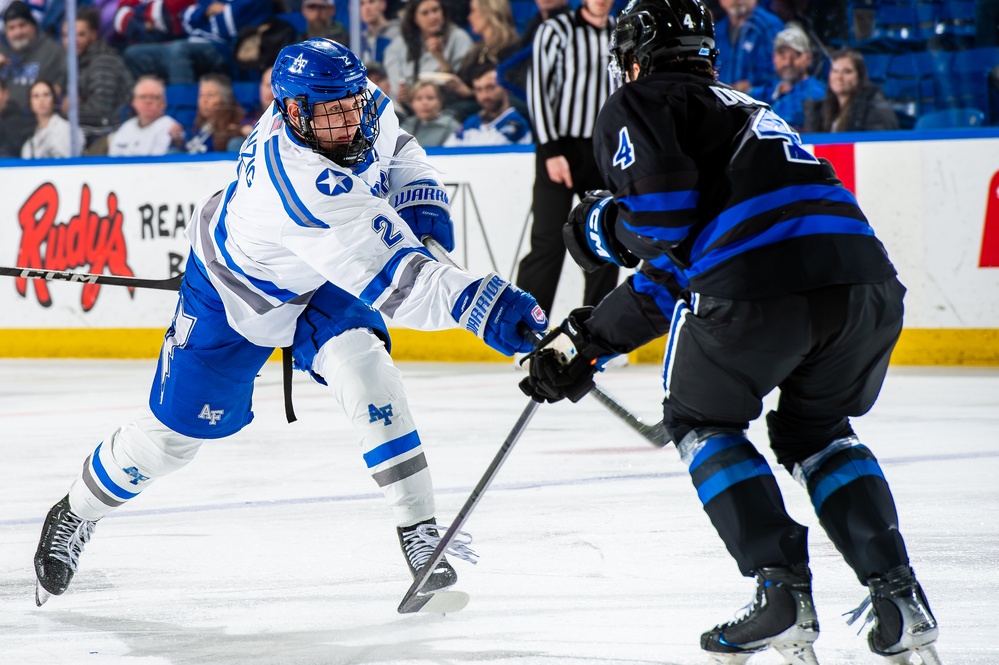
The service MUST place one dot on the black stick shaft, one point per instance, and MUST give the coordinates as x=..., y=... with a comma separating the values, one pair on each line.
x=408, y=605
x=169, y=284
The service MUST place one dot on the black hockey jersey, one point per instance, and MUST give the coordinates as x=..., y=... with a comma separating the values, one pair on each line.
x=717, y=195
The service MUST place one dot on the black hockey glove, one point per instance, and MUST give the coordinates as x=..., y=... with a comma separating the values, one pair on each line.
x=589, y=233
x=564, y=362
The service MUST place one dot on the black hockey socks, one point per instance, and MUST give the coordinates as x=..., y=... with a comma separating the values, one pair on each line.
x=740, y=495
x=855, y=506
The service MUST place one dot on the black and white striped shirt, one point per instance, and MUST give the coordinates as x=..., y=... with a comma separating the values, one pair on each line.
x=568, y=82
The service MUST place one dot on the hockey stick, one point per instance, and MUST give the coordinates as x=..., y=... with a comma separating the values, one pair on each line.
x=169, y=284
x=654, y=434
x=442, y=601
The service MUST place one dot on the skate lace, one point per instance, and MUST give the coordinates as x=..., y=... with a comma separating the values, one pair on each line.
x=420, y=543
x=856, y=612
x=71, y=535
x=754, y=603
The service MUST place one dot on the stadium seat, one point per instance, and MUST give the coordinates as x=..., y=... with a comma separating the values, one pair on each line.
x=956, y=18
x=909, y=83
x=951, y=118
x=247, y=94
x=969, y=79
x=182, y=103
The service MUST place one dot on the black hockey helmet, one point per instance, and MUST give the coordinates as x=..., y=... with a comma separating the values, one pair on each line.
x=650, y=32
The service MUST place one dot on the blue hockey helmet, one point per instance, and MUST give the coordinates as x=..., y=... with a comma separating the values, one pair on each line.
x=654, y=32
x=312, y=74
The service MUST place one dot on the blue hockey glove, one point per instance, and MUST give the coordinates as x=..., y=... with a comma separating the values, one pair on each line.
x=492, y=308
x=565, y=361
x=424, y=206
x=589, y=233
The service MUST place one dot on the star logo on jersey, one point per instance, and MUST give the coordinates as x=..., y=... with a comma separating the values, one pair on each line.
x=298, y=65
x=332, y=183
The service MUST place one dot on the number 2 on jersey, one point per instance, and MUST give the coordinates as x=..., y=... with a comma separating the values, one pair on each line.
x=384, y=227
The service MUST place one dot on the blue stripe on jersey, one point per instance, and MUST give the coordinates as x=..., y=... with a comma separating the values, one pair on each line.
x=846, y=474
x=380, y=100
x=391, y=449
x=383, y=279
x=809, y=225
x=293, y=205
x=220, y=237
x=671, y=234
x=665, y=263
x=661, y=201
x=664, y=301
x=758, y=205
x=105, y=479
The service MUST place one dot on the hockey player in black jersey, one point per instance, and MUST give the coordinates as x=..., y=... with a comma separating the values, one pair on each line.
x=765, y=273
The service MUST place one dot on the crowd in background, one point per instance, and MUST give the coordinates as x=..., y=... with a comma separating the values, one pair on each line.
x=182, y=75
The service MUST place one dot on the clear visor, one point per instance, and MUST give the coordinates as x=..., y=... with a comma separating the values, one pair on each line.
x=616, y=74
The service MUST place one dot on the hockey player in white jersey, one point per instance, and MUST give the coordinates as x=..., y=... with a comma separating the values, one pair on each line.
x=316, y=238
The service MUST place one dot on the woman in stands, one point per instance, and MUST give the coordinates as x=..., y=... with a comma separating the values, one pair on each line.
x=51, y=137
x=429, y=43
x=219, y=117
x=852, y=103
x=492, y=20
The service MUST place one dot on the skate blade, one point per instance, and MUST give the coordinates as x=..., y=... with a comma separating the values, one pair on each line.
x=41, y=595
x=438, y=602
x=731, y=658
x=927, y=655
x=798, y=654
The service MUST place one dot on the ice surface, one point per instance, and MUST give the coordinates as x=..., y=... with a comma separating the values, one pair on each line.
x=274, y=546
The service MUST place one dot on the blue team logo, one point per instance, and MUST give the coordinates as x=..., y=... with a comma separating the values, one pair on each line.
x=332, y=183
x=625, y=155
x=384, y=413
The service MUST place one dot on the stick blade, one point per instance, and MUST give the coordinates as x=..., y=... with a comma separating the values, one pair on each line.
x=438, y=602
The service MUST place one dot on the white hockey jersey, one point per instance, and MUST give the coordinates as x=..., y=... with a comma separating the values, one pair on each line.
x=293, y=220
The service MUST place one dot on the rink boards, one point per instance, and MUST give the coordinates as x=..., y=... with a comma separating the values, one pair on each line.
x=934, y=202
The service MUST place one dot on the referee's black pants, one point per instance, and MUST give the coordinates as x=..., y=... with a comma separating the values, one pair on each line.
x=540, y=270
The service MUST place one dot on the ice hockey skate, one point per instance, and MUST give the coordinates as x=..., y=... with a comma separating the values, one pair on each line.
x=781, y=616
x=418, y=542
x=903, y=622
x=63, y=536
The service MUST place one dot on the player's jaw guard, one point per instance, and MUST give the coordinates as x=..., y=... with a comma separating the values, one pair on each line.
x=317, y=71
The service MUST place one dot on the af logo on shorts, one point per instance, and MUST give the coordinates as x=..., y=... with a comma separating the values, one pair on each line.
x=211, y=415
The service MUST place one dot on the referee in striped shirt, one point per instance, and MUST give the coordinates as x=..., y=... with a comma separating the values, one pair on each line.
x=568, y=84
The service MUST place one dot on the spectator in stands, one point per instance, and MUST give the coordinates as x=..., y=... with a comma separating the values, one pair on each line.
x=744, y=38
x=51, y=137
x=792, y=62
x=104, y=83
x=37, y=8
x=16, y=124
x=852, y=103
x=428, y=42
x=498, y=123
x=377, y=30
x=320, y=22
x=512, y=71
x=143, y=22
x=266, y=97
x=151, y=131
x=493, y=22
x=210, y=29
x=219, y=117
x=429, y=124
x=28, y=55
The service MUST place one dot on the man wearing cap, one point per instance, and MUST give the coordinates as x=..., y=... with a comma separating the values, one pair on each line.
x=320, y=22
x=792, y=63
x=27, y=55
